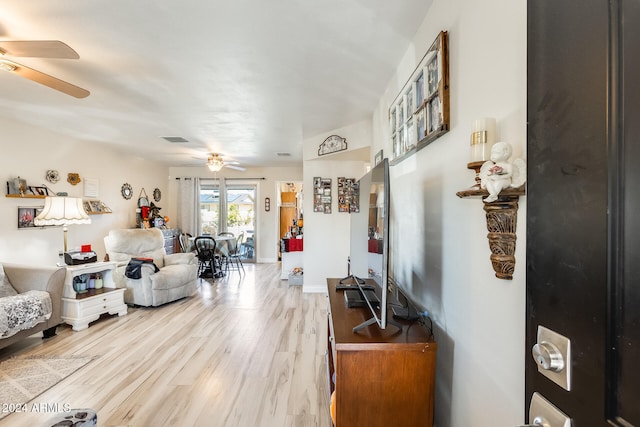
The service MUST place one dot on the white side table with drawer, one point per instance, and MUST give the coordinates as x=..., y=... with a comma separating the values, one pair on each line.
x=80, y=309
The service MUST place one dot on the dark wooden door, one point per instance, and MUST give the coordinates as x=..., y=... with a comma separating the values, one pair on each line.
x=583, y=203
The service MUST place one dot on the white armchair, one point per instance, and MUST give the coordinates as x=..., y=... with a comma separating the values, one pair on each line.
x=177, y=273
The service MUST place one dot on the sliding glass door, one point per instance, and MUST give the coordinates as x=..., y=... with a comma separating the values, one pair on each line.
x=209, y=207
x=229, y=207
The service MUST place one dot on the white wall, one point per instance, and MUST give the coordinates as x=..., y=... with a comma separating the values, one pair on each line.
x=326, y=236
x=439, y=245
x=267, y=223
x=28, y=152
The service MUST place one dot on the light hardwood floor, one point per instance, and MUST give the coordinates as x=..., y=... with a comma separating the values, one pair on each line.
x=244, y=351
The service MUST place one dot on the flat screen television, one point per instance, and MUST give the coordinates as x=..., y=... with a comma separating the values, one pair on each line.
x=369, y=243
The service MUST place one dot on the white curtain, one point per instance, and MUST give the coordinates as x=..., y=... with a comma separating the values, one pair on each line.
x=189, y=205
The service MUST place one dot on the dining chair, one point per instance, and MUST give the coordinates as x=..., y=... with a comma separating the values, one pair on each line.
x=185, y=242
x=247, y=248
x=234, y=261
x=209, y=261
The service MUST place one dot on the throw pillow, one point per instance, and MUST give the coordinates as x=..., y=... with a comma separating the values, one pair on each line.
x=6, y=290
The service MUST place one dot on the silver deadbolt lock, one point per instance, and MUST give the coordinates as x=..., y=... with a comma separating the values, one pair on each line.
x=552, y=354
x=548, y=356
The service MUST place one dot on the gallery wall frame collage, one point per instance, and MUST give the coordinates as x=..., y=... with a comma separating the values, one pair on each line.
x=348, y=195
x=420, y=112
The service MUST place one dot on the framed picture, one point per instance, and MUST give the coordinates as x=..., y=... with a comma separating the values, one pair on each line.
x=322, y=195
x=26, y=216
x=437, y=97
x=420, y=111
x=348, y=195
x=39, y=191
x=95, y=206
x=17, y=186
x=378, y=158
x=91, y=187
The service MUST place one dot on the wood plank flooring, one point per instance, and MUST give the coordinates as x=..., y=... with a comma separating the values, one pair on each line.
x=244, y=351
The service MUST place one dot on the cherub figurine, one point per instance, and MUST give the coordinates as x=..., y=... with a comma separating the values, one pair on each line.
x=499, y=173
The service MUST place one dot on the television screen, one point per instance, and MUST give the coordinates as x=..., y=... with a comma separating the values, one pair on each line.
x=369, y=240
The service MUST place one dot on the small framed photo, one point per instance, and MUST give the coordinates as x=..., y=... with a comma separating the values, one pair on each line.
x=39, y=191
x=17, y=186
x=378, y=158
x=96, y=206
x=27, y=215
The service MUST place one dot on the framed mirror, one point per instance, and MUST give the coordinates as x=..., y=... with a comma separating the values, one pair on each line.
x=143, y=199
x=126, y=191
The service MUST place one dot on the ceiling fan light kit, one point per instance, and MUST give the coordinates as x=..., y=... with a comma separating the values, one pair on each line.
x=215, y=163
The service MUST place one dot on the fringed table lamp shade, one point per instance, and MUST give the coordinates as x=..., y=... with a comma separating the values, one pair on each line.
x=62, y=211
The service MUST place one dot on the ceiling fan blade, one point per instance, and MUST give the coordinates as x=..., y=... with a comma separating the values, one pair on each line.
x=238, y=168
x=39, y=49
x=47, y=80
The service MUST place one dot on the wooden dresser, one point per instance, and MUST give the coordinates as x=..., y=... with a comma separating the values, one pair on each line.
x=380, y=377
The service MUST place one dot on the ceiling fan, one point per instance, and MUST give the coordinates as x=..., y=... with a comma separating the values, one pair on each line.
x=40, y=49
x=215, y=163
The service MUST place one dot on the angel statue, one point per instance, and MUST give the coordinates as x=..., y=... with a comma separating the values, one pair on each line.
x=499, y=173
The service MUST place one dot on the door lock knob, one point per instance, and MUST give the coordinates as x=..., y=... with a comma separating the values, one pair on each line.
x=548, y=356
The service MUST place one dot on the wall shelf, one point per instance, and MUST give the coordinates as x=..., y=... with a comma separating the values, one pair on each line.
x=25, y=196
x=501, y=224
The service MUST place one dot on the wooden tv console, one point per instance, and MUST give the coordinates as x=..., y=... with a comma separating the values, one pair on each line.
x=382, y=377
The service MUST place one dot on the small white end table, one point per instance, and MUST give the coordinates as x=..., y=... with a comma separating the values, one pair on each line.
x=80, y=309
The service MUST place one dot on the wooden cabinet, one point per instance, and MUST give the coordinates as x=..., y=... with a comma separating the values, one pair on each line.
x=80, y=309
x=381, y=378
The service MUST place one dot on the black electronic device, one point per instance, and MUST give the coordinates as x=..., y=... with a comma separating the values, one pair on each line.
x=346, y=287
x=355, y=298
x=77, y=257
x=369, y=242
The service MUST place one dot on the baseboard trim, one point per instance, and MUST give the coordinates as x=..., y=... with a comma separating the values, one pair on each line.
x=266, y=260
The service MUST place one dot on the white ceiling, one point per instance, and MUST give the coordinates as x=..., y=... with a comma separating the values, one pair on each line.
x=247, y=78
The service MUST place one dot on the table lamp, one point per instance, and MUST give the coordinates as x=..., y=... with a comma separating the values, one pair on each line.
x=62, y=211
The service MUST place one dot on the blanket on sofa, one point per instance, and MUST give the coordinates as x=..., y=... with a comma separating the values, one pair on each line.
x=23, y=311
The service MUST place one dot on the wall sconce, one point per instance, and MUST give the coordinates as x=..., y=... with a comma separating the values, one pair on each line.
x=501, y=209
x=483, y=137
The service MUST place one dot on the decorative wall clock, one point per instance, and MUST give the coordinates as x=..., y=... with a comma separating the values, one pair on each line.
x=126, y=191
x=332, y=144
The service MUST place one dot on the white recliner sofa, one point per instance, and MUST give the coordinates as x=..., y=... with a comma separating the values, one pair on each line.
x=176, y=276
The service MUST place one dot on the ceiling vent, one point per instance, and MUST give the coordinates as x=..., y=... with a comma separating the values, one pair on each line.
x=175, y=139
x=283, y=154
